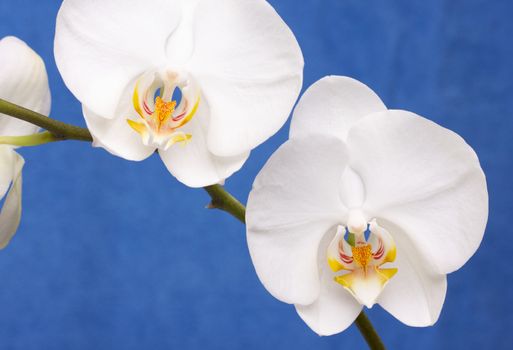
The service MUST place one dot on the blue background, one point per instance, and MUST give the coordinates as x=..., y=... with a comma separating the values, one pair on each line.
x=118, y=255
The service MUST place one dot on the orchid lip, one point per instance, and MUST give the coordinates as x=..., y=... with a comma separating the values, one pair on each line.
x=162, y=116
x=362, y=258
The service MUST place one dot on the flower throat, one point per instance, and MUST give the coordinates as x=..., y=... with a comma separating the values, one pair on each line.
x=161, y=116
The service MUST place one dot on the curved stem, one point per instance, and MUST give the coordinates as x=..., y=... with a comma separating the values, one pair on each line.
x=29, y=140
x=60, y=131
x=369, y=333
x=221, y=199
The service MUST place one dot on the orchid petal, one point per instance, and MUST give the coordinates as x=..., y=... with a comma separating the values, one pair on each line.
x=415, y=295
x=23, y=81
x=116, y=136
x=250, y=67
x=290, y=209
x=192, y=163
x=425, y=179
x=332, y=105
x=335, y=309
x=102, y=45
x=352, y=189
x=10, y=215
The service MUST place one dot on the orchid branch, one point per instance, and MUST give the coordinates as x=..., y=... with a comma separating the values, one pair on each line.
x=29, y=140
x=59, y=131
x=368, y=332
x=223, y=200
x=220, y=198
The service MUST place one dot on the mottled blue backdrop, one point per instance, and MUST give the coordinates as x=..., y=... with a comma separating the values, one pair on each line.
x=118, y=255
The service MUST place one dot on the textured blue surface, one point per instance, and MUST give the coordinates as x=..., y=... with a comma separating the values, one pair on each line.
x=118, y=255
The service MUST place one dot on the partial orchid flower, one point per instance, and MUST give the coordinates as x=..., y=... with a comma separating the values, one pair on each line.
x=364, y=205
x=23, y=81
x=202, y=82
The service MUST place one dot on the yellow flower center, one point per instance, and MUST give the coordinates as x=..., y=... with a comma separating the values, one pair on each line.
x=361, y=261
x=162, y=117
x=163, y=111
x=362, y=254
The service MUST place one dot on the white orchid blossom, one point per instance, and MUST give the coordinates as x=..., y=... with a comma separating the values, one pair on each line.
x=23, y=81
x=364, y=205
x=201, y=81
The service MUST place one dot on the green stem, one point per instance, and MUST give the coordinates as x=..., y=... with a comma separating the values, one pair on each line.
x=60, y=131
x=221, y=199
x=29, y=140
x=369, y=333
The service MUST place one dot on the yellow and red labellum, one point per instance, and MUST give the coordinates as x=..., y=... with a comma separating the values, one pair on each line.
x=364, y=277
x=161, y=117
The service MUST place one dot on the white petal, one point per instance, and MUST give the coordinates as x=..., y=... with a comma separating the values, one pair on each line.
x=23, y=81
x=332, y=105
x=193, y=164
x=250, y=69
x=10, y=214
x=333, y=312
x=335, y=309
x=425, y=179
x=6, y=169
x=116, y=136
x=415, y=295
x=181, y=44
x=102, y=45
x=352, y=189
x=291, y=207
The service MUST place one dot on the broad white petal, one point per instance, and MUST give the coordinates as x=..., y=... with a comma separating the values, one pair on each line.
x=23, y=81
x=291, y=207
x=335, y=309
x=352, y=189
x=192, y=163
x=425, y=179
x=116, y=136
x=332, y=105
x=415, y=295
x=10, y=214
x=102, y=45
x=250, y=68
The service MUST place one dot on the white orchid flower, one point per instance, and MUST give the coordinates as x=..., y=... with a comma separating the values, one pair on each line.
x=201, y=81
x=23, y=81
x=364, y=205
